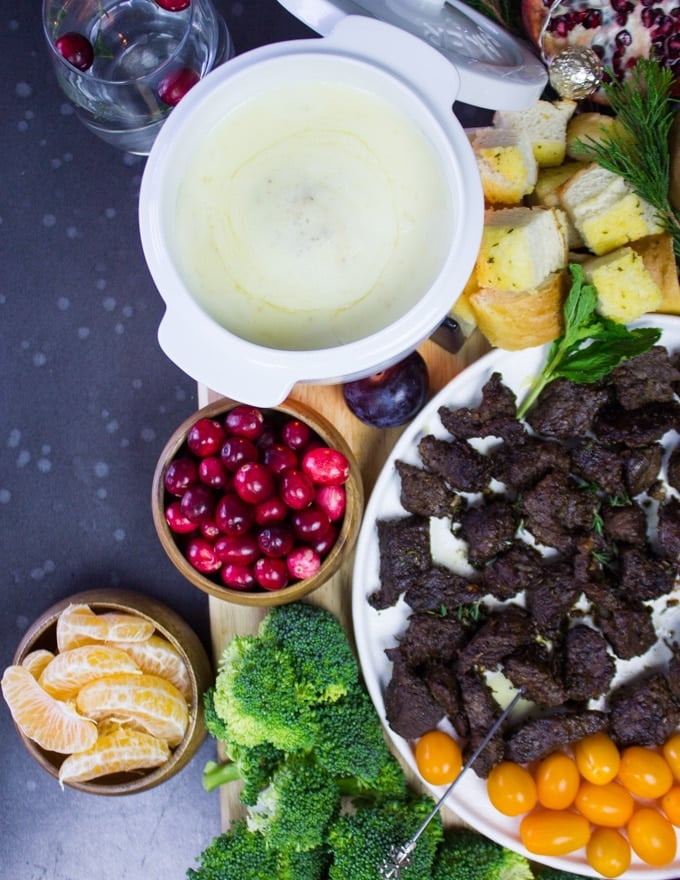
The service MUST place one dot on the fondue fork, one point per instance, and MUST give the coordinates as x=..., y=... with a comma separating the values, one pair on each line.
x=400, y=856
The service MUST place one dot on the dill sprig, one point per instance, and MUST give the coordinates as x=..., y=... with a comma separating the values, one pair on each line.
x=638, y=149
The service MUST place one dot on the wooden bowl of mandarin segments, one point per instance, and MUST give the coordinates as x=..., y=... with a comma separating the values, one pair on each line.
x=169, y=625
x=347, y=527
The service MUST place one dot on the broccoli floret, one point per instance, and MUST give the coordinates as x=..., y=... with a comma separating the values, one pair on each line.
x=468, y=855
x=257, y=696
x=350, y=744
x=361, y=841
x=317, y=645
x=294, y=810
x=241, y=854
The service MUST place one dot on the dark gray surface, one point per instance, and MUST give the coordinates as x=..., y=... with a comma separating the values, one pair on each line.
x=87, y=401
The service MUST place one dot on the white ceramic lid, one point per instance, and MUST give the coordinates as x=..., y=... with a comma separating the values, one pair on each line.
x=497, y=71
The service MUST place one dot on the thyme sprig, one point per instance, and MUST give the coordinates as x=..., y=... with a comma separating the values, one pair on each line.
x=638, y=149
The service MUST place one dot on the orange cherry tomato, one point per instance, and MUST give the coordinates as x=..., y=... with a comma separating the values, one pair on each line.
x=610, y=805
x=438, y=757
x=608, y=852
x=557, y=781
x=645, y=772
x=652, y=837
x=671, y=752
x=597, y=758
x=511, y=788
x=670, y=804
x=554, y=832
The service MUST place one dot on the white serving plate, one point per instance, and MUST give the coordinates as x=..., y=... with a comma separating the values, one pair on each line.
x=377, y=630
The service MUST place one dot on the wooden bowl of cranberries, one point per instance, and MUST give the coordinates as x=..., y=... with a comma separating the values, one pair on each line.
x=257, y=506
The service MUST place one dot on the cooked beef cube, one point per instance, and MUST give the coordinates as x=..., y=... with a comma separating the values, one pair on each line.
x=590, y=552
x=404, y=546
x=425, y=493
x=601, y=465
x=538, y=737
x=521, y=465
x=481, y=710
x=550, y=598
x=503, y=632
x=625, y=624
x=439, y=589
x=635, y=427
x=668, y=529
x=565, y=409
x=443, y=684
x=643, y=712
x=554, y=509
x=432, y=638
x=494, y=417
x=410, y=708
x=488, y=529
x=588, y=666
x=642, y=468
x=532, y=668
x=673, y=468
x=512, y=571
x=647, y=378
x=461, y=465
x=625, y=525
x=642, y=577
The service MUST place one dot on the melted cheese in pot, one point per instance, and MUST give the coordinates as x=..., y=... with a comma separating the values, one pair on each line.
x=311, y=216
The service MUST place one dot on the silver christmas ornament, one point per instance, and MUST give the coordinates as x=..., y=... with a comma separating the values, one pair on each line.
x=575, y=72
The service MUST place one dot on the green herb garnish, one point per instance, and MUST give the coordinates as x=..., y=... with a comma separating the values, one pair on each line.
x=591, y=346
x=638, y=150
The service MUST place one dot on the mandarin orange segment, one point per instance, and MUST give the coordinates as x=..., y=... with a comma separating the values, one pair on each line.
x=158, y=656
x=70, y=670
x=52, y=724
x=36, y=661
x=145, y=702
x=79, y=625
x=119, y=750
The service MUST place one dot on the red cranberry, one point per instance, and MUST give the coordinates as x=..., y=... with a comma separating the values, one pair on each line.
x=254, y=482
x=76, y=49
x=198, y=503
x=174, y=85
x=205, y=437
x=212, y=472
x=296, y=489
x=295, y=434
x=210, y=530
x=326, y=466
x=173, y=5
x=233, y=516
x=269, y=511
x=241, y=550
x=332, y=500
x=326, y=542
x=177, y=521
x=271, y=574
x=275, y=540
x=237, y=451
x=303, y=562
x=238, y=577
x=201, y=555
x=278, y=457
x=310, y=523
x=245, y=421
x=179, y=475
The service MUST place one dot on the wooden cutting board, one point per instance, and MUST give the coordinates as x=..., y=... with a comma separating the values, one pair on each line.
x=371, y=447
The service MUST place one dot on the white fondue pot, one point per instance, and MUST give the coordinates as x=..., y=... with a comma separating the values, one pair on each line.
x=420, y=82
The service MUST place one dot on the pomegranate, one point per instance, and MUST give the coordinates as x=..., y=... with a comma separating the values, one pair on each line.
x=620, y=31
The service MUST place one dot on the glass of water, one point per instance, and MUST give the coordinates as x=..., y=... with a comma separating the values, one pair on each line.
x=124, y=64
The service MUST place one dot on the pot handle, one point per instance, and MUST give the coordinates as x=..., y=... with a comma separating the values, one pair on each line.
x=242, y=377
